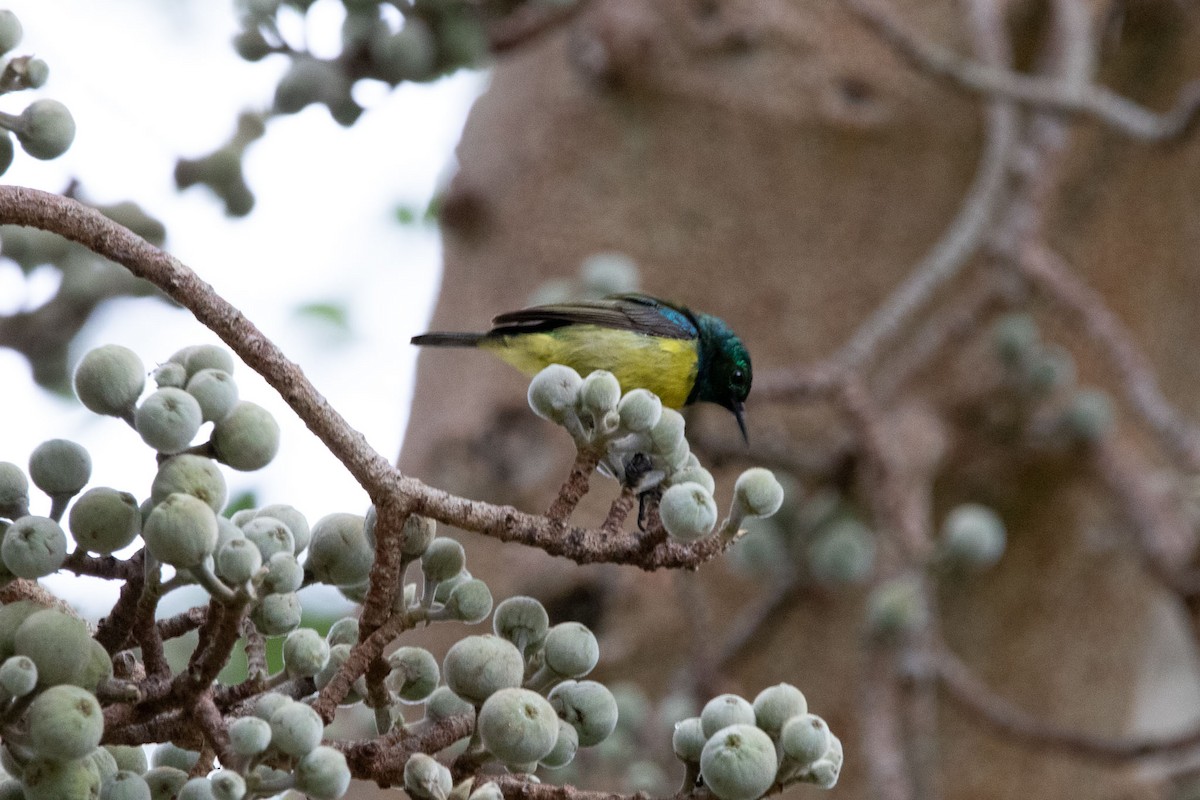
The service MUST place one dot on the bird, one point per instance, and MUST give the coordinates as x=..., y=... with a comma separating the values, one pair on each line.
x=683, y=356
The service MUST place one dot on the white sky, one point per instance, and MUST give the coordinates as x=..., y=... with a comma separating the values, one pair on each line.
x=148, y=81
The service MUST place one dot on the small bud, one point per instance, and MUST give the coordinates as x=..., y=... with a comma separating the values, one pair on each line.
x=414, y=673
x=33, y=547
x=599, y=393
x=18, y=676
x=668, y=433
x=565, y=747
x=227, y=785
x=215, y=391
x=339, y=553
x=238, y=561
x=170, y=375
x=296, y=729
x=518, y=726
x=295, y=521
x=270, y=536
x=897, y=608
x=688, y=740
x=52, y=779
x=973, y=535
x=165, y=782
x=688, y=511
x=842, y=553
x=444, y=703
x=65, y=722
x=639, y=410
x=522, y=621
x=344, y=631
x=284, y=574
x=249, y=736
x=554, y=391
x=10, y=31
x=757, y=493
x=738, y=763
x=442, y=560
x=804, y=739
x=44, y=636
x=695, y=474
x=14, y=491
x=426, y=779
x=109, y=380
x=277, y=614
x=470, y=601
x=305, y=653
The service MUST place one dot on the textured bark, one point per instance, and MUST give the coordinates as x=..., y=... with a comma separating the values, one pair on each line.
x=775, y=164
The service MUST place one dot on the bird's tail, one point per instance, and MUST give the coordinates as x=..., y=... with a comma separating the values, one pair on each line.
x=448, y=339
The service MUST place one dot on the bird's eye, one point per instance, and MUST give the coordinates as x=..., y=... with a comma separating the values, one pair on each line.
x=739, y=377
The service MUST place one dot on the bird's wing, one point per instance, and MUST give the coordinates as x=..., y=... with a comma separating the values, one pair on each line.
x=633, y=312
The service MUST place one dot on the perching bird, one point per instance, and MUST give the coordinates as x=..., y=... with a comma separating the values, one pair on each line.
x=681, y=355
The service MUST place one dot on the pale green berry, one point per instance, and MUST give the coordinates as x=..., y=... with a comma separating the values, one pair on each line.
x=444, y=588
x=554, y=391
x=323, y=774
x=249, y=736
x=824, y=773
x=565, y=747
x=18, y=676
x=51, y=779
x=842, y=553
x=478, y=666
x=414, y=673
x=757, y=493
x=1088, y=417
x=1015, y=336
x=109, y=380
x=571, y=650
x=238, y=561
x=599, y=393
x=170, y=375
x=12, y=615
x=296, y=729
x=251, y=45
x=165, y=782
x=125, y=785
x=227, y=532
x=587, y=705
x=96, y=666
x=738, y=763
x=227, y=785
x=106, y=765
x=206, y=356
x=426, y=779
x=668, y=433
x=442, y=560
x=344, y=631
x=181, y=531
x=639, y=410
x=470, y=601
x=65, y=722
x=168, y=420
x=522, y=621
x=695, y=474
x=104, y=520
x=419, y=533
x=339, y=553
x=37, y=72
x=11, y=31
x=129, y=758
x=33, y=547
x=973, y=535
x=45, y=129
x=14, y=491
x=284, y=574
x=44, y=636
x=215, y=391
x=775, y=705
x=804, y=739
x=190, y=474
x=196, y=789
x=60, y=467
x=267, y=704
x=688, y=739
x=518, y=726
x=609, y=273
x=170, y=755
x=277, y=614
x=305, y=652
x=338, y=654
x=444, y=703
x=295, y=521
x=688, y=511
x=270, y=535
x=725, y=710
x=897, y=608
x=247, y=438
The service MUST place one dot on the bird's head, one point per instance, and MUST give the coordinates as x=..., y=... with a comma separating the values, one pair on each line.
x=724, y=373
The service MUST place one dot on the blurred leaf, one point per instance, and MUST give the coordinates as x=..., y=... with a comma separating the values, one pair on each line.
x=335, y=315
x=241, y=502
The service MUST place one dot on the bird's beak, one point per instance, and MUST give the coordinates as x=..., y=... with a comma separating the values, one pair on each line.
x=739, y=411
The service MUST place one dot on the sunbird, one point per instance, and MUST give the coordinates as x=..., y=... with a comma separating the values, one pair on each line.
x=681, y=355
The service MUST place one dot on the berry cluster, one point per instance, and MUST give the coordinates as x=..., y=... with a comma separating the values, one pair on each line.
x=45, y=128
x=642, y=444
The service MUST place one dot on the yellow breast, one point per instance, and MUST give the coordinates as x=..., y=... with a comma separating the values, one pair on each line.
x=666, y=367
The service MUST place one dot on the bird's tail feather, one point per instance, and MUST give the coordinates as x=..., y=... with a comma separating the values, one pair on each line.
x=448, y=339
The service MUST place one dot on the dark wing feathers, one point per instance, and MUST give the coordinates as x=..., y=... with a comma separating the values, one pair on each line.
x=634, y=312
